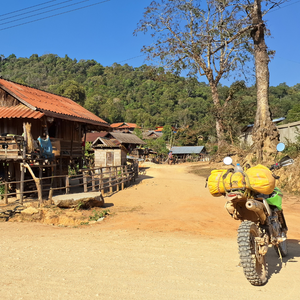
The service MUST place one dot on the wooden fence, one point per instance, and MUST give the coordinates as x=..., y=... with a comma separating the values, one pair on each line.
x=106, y=180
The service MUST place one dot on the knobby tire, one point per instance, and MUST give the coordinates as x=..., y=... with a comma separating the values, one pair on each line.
x=255, y=271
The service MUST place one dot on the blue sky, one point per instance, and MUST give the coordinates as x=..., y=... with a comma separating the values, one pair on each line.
x=104, y=32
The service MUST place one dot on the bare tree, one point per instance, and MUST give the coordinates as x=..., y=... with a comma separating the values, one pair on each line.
x=265, y=134
x=214, y=41
x=209, y=41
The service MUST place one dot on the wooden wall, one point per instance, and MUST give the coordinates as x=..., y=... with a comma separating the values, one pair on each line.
x=109, y=157
x=15, y=126
x=6, y=100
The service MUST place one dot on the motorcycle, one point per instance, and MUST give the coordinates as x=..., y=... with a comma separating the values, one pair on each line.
x=263, y=222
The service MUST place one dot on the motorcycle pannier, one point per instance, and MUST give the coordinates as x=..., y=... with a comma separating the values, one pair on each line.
x=215, y=182
x=231, y=180
x=260, y=179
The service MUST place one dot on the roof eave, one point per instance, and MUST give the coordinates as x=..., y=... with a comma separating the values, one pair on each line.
x=73, y=118
x=17, y=97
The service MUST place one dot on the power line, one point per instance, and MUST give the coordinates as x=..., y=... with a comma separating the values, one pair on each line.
x=26, y=8
x=25, y=13
x=130, y=58
x=54, y=15
x=45, y=11
x=283, y=6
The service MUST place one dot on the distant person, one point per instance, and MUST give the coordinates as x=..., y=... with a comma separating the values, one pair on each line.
x=170, y=158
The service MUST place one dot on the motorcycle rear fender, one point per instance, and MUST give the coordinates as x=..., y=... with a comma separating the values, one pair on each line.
x=237, y=209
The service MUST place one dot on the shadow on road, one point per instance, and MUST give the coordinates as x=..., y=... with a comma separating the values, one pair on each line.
x=276, y=264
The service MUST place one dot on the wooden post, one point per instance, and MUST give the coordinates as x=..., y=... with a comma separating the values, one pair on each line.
x=67, y=184
x=5, y=192
x=25, y=141
x=122, y=173
x=5, y=182
x=22, y=183
x=85, y=182
x=83, y=148
x=126, y=175
x=93, y=181
x=101, y=186
x=50, y=194
x=41, y=175
x=36, y=180
x=110, y=175
x=117, y=179
x=39, y=188
x=17, y=171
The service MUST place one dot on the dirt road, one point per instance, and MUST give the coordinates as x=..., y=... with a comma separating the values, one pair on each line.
x=167, y=238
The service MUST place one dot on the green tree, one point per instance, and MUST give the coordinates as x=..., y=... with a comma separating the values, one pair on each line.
x=73, y=90
x=209, y=41
x=158, y=145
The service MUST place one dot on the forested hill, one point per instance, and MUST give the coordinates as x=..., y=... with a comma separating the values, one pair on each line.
x=145, y=95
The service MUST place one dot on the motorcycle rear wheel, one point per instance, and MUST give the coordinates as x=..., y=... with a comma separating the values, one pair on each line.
x=282, y=247
x=254, y=264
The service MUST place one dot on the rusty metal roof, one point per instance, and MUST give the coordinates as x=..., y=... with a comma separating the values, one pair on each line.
x=19, y=111
x=50, y=104
x=116, y=124
x=104, y=142
x=92, y=136
x=124, y=125
x=127, y=138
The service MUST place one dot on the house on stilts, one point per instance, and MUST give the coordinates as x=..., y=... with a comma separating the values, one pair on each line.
x=41, y=133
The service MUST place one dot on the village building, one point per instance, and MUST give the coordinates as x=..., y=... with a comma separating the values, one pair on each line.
x=41, y=131
x=193, y=153
x=286, y=131
x=124, y=127
x=152, y=134
x=112, y=148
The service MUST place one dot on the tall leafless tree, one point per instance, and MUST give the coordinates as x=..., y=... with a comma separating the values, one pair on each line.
x=209, y=41
x=213, y=41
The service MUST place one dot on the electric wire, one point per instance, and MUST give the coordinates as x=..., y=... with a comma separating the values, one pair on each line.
x=28, y=12
x=44, y=12
x=12, y=12
x=62, y=13
x=130, y=58
x=280, y=7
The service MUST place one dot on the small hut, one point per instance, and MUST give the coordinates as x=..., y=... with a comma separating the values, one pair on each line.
x=111, y=148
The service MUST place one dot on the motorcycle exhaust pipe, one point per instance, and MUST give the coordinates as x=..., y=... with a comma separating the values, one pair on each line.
x=258, y=208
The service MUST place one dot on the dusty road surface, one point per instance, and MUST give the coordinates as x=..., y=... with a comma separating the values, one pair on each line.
x=167, y=238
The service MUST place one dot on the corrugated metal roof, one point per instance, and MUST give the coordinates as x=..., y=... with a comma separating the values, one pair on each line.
x=187, y=149
x=245, y=128
x=92, y=136
x=19, y=111
x=47, y=102
x=104, y=142
x=116, y=124
x=124, y=125
x=127, y=138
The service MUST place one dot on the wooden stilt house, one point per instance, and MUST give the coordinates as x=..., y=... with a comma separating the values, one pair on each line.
x=41, y=130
